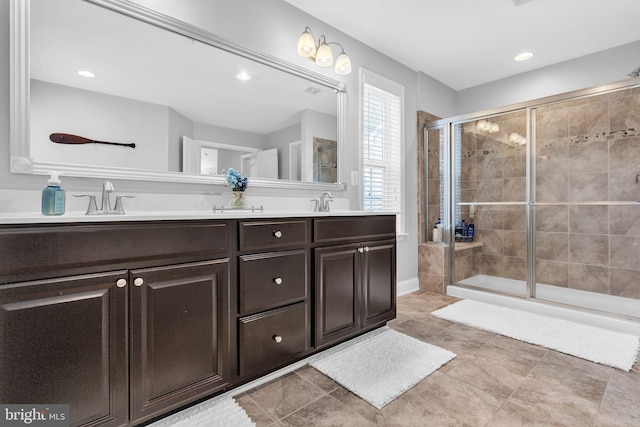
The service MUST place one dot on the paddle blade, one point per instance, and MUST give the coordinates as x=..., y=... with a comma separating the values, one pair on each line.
x=65, y=138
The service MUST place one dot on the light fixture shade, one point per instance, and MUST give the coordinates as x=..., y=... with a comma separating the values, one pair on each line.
x=306, y=45
x=343, y=64
x=493, y=128
x=324, y=56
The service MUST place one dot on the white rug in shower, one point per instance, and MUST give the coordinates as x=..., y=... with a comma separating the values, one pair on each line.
x=587, y=342
x=221, y=411
x=381, y=365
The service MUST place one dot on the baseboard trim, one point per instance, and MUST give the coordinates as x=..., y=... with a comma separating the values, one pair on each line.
x=407, y=286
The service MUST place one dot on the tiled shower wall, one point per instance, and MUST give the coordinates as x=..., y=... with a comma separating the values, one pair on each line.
x=432, y=269
x=429, y=182
x=587, y=150
x=494, y=170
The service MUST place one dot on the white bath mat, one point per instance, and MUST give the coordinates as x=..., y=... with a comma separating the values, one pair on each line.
x=587, y=342
x=381, y=365
x=220, y=411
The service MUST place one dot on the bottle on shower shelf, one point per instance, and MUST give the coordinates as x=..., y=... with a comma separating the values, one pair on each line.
x=436, y=233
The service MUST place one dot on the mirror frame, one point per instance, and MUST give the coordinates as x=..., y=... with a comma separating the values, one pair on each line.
x=21, y=162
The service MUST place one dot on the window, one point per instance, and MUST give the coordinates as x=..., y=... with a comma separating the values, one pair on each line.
x=382, y=142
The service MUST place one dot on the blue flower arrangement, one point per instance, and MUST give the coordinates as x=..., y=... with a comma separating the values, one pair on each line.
x=236, y=181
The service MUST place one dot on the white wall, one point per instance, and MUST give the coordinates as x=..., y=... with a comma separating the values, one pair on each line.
x=599, y=68
x=179, y=126
x=434, y=97
x=281, y=139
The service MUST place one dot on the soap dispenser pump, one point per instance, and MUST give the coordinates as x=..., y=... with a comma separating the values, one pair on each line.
x=53, y=197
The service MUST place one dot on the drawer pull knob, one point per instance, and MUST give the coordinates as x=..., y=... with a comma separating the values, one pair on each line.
x=366, y=248
x=277, y=339
x=360, y=250
x=138, y=281
x=277, y=233
x=278, y=280
x=121, y=283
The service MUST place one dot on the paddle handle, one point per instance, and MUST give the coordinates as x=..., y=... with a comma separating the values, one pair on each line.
x=65, y=138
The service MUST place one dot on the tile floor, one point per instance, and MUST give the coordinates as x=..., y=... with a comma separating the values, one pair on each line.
x=494, y=381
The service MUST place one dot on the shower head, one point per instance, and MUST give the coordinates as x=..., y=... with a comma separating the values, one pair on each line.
x=635, y=73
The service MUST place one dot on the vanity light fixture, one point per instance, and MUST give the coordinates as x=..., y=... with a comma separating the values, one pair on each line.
x=86, y=73
x=321, y=53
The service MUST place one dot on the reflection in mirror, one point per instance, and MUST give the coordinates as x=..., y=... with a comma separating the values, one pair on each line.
x=324, y=160
x=152, y=87
x=203, y=157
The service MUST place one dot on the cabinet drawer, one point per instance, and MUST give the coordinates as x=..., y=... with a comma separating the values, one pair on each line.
x=271, y=339
x=272, y=279
x=272, y=234
x=37, y=252
x=349, y=228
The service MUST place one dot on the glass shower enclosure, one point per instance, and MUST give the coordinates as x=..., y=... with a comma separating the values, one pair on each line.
x=551, y=190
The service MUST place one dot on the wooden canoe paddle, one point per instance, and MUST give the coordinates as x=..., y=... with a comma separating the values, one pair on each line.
x=65, y=138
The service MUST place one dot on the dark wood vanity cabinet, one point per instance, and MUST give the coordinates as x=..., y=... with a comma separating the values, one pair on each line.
x=355, y=283
x=64, y=341
x=126, y=321
x=143, y=330
x=274, y=309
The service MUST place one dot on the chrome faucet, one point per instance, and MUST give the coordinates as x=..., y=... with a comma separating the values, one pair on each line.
x=324, y=201
x=105, y=203
x=107, y=189
x=322, y=204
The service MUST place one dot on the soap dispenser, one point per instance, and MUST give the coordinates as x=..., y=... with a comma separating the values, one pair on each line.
x=53, y=197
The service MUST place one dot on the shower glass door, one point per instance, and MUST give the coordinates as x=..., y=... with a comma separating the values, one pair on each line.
x=587, y=233
x=489, y=191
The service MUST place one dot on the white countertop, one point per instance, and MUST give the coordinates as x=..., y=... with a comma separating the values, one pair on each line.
x=69, y=217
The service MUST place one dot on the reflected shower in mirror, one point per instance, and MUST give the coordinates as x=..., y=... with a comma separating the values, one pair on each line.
x=146, y=85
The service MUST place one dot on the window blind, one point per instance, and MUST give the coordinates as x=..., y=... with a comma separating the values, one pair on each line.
x=382, y=149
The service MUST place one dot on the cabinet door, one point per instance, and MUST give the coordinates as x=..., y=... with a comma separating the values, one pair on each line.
x=179, y=335
x=379, y=283
x=63, y=341
x=337, y=293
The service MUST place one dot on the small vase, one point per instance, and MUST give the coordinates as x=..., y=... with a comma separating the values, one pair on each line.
x=238, y=200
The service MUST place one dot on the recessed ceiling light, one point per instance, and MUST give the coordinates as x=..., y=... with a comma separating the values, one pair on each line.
x=243, y=76
x=524, y=56
x=85, y=73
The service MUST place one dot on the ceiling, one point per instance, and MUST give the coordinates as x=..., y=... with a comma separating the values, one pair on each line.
x=465, y=43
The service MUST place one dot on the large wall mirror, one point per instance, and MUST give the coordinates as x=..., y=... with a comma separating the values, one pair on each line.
x=192, y=104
